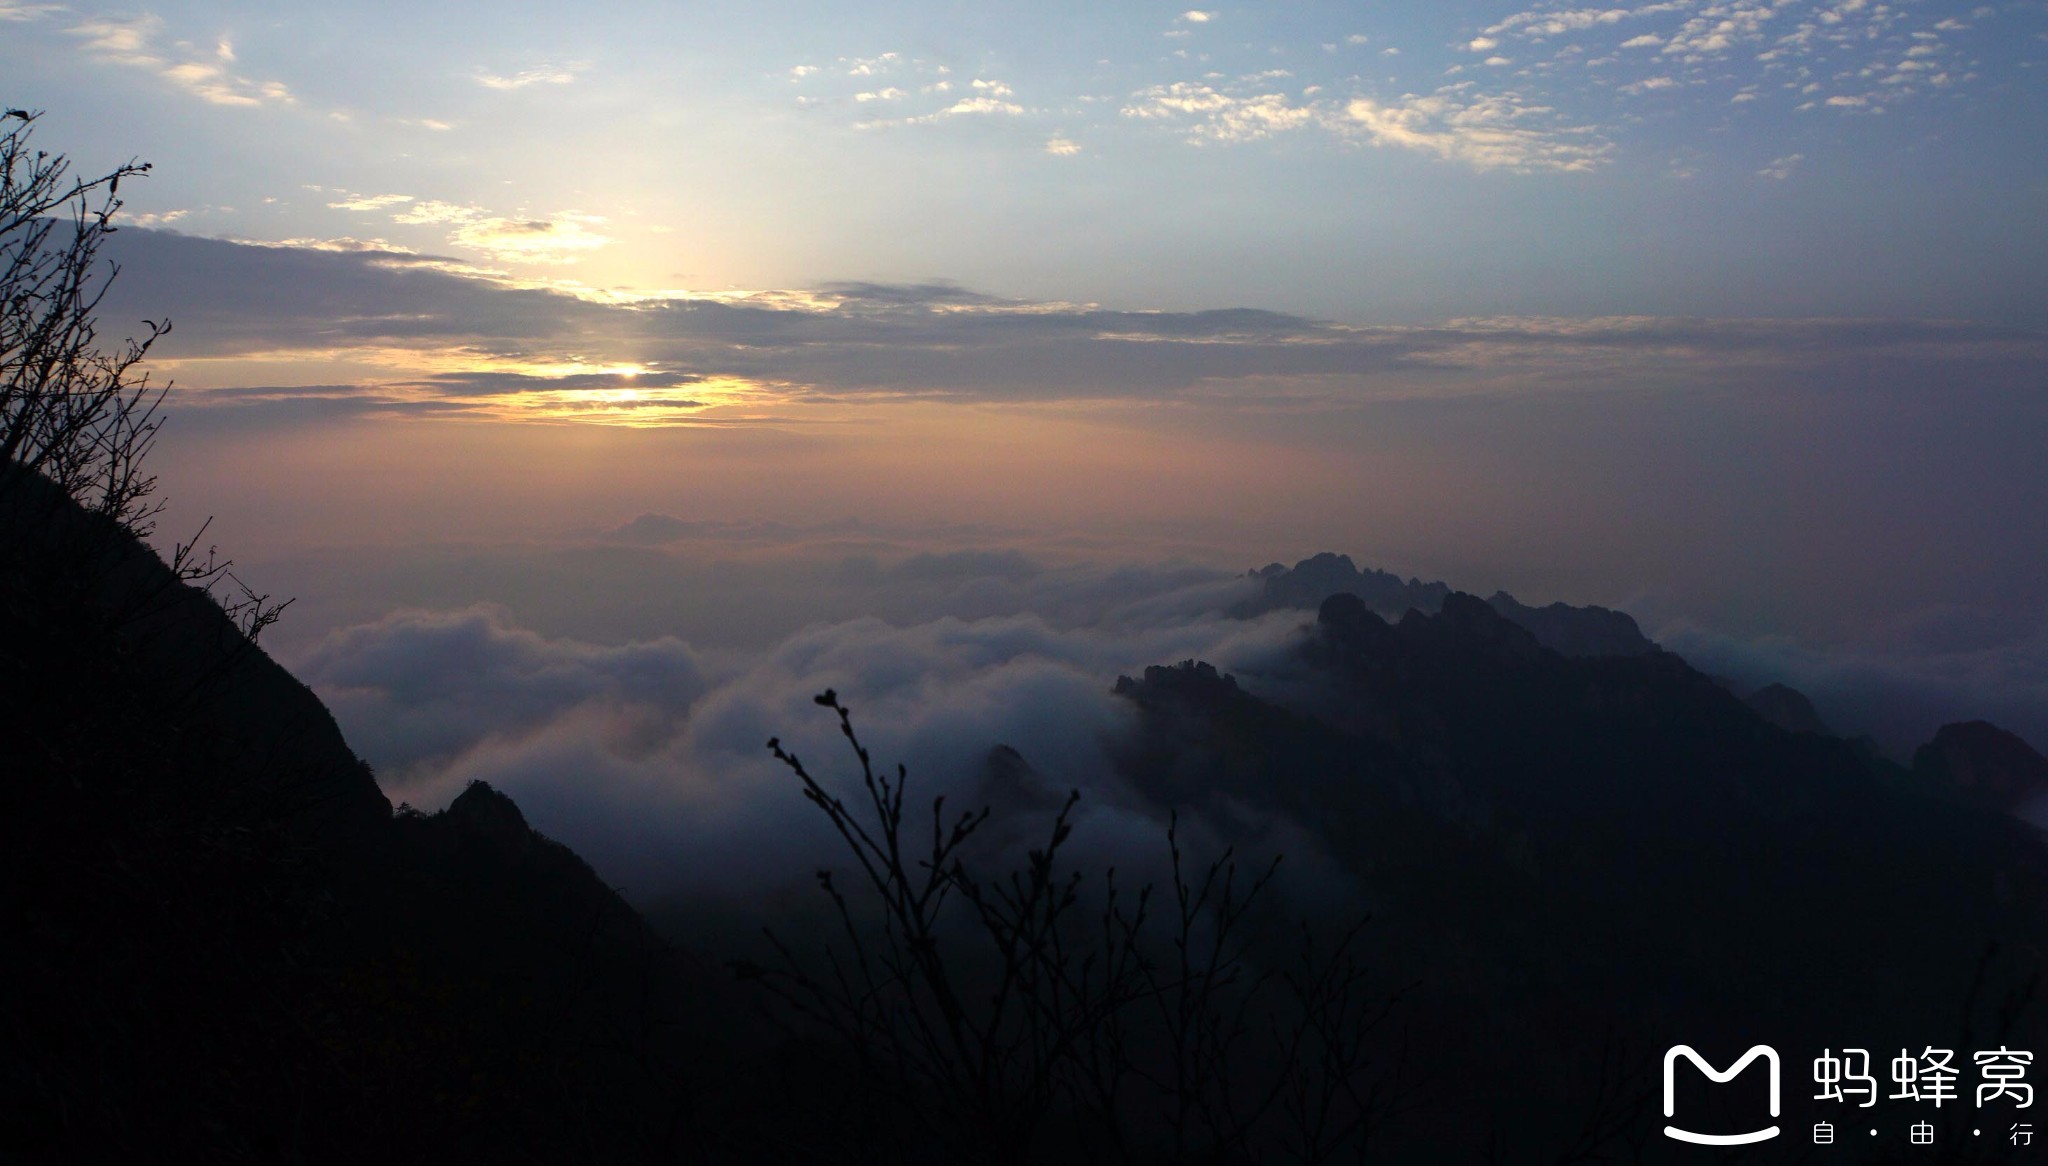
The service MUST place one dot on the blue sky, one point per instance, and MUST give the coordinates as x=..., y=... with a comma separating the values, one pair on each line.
x=1366, y=164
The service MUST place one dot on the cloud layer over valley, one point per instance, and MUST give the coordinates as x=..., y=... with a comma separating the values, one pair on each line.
x=649, y=756
x=646, y=755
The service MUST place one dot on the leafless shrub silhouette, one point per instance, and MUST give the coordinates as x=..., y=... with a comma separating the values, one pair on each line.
x=83, y=416
x=1029, y=1015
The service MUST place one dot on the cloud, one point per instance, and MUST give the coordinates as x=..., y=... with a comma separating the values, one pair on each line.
x=564, y=74
x=133, y=43
x=489, y=383
x=645, y=754
x=1719, y=30
x=370, y=202
x=649, y=758
x=990, y=97
x=414, y=315
x=1062, y=147
x=1781, y=168
x=426, y=686
x=434, y=211
x=1458, y=123
x=22, y=13
x=1909, y=675
x=1213, y=115
x=1761, y=46
x=871, y=66
x=561, y=238
x=1485, y=131
x=1540, y=23
x=980, y=105
x=1196, y=16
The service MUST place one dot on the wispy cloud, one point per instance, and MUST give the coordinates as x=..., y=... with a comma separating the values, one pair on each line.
x=563, y=238
x=1211, y=114
x=922, y=93
x=547, y=74
x=1499, y=131
x=1782, y=168
x=427, y=211
x=981, y=104
x=559, y=238
x=989, y=98
x=872, y=66
x=369, y=202
x=1845, y=55
x=1458, y=123
x=133, y=43
x=1539, y=23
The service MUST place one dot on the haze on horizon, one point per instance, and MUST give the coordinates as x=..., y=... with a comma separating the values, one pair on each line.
x=709, y=338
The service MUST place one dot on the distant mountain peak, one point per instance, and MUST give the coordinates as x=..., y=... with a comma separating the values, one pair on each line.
x=482, y=813
x=1194, y=680
x=1985, y=764
x=1788, y=708
x=1571, y=631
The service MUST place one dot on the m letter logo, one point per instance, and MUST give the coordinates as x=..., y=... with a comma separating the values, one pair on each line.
x=1671, y=1056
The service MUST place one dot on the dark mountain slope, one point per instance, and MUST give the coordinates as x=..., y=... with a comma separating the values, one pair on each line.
x=1571, y=851
x=222, y=946
x=1986, y=765
x=88, y=606
x=1788, y=708
x=1574, y=631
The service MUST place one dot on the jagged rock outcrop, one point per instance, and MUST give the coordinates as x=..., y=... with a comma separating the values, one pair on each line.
x=1010, y=785
x=1577, y=631
x=1986, y=765
x=1556, y=846
x=1788, y=708
x=1314, y=579
x=1573, y=631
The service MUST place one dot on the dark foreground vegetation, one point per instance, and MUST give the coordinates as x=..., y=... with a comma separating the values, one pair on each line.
x=1545, y=851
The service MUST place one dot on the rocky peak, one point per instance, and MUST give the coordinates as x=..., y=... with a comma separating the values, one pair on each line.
x=1787, y=708
x=1986, y=764
x=491, y=818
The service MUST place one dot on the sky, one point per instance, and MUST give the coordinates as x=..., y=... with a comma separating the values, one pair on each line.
x=723, y=334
